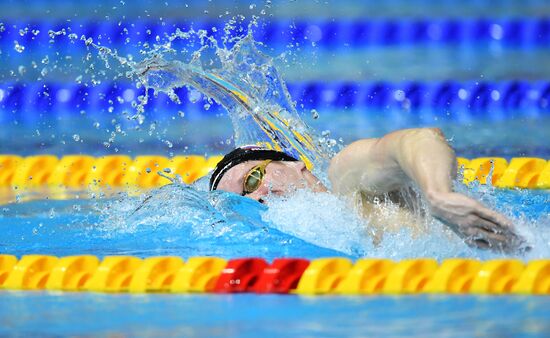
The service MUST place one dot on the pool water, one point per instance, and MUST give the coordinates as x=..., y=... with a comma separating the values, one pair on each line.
x=81, y=314
x=62, y=94
x=473, y=137
x=189, y=221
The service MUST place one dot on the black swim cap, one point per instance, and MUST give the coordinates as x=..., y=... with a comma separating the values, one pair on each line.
x=243, y=154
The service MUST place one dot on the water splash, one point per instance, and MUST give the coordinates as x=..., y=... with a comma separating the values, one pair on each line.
x=234, y=73
x=328, y=221
x=245, y=82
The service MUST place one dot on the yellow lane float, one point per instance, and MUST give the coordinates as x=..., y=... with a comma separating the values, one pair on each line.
x=82, y=172
x=323, y=276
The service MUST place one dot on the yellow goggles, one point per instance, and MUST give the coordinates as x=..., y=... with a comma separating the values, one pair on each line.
x=254, y=178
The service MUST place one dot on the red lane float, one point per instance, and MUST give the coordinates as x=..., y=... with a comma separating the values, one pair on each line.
x=240, y=275
x=281, y=276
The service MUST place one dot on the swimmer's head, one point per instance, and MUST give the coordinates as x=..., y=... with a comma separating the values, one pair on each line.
x=255, y=172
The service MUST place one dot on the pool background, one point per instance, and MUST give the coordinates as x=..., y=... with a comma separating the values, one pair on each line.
x=34, y=123
x=272, y=316
x=477, y=69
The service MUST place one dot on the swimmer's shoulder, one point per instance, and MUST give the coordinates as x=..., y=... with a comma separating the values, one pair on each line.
x=349, y=167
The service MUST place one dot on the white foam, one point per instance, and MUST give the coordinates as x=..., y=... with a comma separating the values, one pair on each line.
x=322, y=219
x=330, y=222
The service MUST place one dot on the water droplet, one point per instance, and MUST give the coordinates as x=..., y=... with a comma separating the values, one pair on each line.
x=194, y=95
x=314, y=114
x=18, y=48
x=399, y=95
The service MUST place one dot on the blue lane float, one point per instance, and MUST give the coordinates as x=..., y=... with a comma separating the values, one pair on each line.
x=451, y=99
x=129, y=35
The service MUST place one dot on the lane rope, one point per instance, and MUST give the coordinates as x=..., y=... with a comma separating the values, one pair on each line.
x=24, y=102
x=323, y=276
x=81, y=172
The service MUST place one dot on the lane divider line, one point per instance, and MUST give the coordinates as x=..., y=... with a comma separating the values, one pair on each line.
x=141, y=173
x=449, y=100
x=322, y=276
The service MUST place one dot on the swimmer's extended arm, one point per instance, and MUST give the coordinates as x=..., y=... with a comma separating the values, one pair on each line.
x=378, y=166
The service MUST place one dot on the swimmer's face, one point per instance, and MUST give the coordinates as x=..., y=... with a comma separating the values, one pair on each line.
x=280, y=178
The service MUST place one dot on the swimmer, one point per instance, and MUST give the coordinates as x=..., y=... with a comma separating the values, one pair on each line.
x=371, y=168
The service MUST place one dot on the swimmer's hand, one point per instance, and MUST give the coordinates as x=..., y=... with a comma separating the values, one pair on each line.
x=479, y=226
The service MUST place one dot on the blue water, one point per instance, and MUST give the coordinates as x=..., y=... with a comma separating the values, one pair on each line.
x=420, y=62
x=53, y=314
x=214, y=9
x=184, y=222
x=495, y=42
x=187, y=221
x=473, y=136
